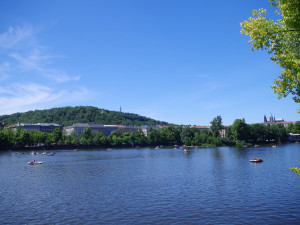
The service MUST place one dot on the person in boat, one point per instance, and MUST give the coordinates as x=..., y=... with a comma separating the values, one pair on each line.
x=254, y=158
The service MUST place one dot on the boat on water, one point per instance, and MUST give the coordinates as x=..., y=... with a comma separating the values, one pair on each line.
x=256, y=160
x=34, y=162
x=51, y=154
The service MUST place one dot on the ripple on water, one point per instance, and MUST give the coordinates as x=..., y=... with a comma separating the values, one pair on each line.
x=166, y=186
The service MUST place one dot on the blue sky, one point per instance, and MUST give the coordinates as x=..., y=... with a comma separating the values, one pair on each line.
x=183, y=62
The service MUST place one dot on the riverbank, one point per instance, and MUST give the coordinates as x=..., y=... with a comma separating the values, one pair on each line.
x=104, y=147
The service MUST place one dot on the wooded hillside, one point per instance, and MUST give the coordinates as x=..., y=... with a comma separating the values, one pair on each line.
x=67, y=116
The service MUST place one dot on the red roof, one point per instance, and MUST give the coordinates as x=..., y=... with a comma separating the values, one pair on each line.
x=202, y=127
x=288, y=122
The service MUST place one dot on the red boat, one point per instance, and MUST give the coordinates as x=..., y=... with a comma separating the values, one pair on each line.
x=34, y=162
x=256, y=160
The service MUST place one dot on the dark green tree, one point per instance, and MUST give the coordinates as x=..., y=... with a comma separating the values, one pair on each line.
x=296, y=128
x=216, y=126
x=99, y=139
x=188, y=134
x=154, y=136
x=21, y=138
x=258, y=132
x=140, y=138
x=86, y=137
x=240, y=130
x=57, y=135
x=289, y=128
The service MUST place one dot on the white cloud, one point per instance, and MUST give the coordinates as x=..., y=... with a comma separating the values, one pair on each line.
x=23, y=97
x=15, y=35
x=20, y=45
x=22, y=54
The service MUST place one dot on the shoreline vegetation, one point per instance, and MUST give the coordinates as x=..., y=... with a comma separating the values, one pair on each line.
x=239, y=134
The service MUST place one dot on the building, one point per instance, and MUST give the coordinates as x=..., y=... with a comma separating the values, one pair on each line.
x=286, y=123
x=200, y=128
x=43, y=127
x=294, y=137
x=78, y=128
x=223, y=133
x=123, y=128
x=109, y=129
x=272, y=120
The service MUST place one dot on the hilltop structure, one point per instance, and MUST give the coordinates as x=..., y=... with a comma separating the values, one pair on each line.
x=273, y=120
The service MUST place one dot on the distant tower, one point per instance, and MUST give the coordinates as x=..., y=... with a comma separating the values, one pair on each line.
x=265, y=119
x=120, y=109
x=271, y=119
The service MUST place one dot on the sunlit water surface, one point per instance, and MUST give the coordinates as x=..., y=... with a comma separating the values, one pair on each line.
x=149, y=186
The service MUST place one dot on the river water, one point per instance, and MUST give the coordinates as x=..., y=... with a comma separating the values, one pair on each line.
x=152, y=186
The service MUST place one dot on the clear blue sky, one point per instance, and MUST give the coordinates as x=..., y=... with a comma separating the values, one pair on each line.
x=183, y=62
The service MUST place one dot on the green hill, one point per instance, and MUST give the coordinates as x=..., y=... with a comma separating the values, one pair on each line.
x=67, y=116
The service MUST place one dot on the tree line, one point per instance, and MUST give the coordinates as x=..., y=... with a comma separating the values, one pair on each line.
x=240, y=133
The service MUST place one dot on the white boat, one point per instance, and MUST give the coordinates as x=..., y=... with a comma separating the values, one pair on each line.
x=34, y=162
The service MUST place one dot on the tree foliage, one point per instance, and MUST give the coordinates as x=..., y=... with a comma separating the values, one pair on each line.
x=257, y=133
x=67, y=116
x=281, y=38
x=216, y=126
x=238, y=134
x=296, y=170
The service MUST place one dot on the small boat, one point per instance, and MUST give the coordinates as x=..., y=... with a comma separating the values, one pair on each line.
x=254, y=160
x=157, y=147
x=44, y=153
x=51, y=154
x=274, y=146
x=34, y=162
x=109, y=149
